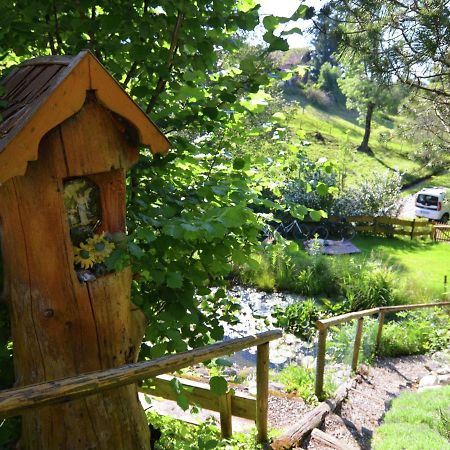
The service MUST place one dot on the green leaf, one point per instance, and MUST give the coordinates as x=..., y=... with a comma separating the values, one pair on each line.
x=135, y=250
x=218, y=385
x=322, y=189
x=238, y=163
x=183, y=402
x=278, y=44
x=174, y=280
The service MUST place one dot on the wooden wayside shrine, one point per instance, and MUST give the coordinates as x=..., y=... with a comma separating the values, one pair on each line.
x=69, y=134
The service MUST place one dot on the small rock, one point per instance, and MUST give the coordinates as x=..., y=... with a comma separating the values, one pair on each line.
x=444, y=379
x=443, y=370
x=428, y=380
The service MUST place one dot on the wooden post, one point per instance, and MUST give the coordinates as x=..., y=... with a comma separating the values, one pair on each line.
x=320, y=367
x=226, y=425
x=357, y=344
x=380, y=330
x=412, y=228
x=262, y=391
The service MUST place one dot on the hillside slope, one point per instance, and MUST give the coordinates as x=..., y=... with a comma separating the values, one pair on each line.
x=335, y=134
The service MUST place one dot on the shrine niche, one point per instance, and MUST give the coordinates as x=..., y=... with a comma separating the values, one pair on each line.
x=69, y=135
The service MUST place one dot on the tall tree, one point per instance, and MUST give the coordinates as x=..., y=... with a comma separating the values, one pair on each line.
x=365, y=93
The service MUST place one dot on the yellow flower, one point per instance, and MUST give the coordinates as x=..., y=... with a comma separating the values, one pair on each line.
x=100, y=247
x=84, y=256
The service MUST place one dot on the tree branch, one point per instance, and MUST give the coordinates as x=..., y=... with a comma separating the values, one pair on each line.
x=161, y=84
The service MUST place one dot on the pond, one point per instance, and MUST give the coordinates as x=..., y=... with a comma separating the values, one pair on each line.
x=254, y=317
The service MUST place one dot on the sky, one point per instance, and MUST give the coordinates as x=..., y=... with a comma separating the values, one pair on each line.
x=286, y=8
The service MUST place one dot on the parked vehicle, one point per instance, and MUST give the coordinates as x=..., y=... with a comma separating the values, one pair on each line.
x=433, y=204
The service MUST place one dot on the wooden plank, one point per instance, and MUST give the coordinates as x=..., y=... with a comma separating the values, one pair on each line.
x=15, y=401
x=380, y=330
x=328, y=440
x=295, y=436
x=357, y=344
x=226, y=422
x=325, y=323
x=320, y=362
x=363, y=228
x=359, y=219
x=387, y=309
x=395, y=221
x=262, y=392
x=200, y=394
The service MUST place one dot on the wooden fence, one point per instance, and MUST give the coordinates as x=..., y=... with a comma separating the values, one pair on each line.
x=323, y=325
x=389, y=226
x=441, y=233
x=15, y=401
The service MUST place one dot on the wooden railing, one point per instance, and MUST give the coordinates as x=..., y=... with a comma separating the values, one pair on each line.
x=441, y=232
x=15, y=401
x=323, y=325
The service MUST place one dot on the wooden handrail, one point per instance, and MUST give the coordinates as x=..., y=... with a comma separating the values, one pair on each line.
x=16, y=401
x=323, y=325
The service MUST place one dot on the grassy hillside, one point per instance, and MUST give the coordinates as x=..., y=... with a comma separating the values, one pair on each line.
x=342, y=134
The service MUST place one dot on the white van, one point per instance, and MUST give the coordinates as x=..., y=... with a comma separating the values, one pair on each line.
x=433, y=204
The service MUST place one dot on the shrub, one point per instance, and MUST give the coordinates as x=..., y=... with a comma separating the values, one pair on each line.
x=301, y=380
x=416, y=333
x=377, y=195
x=318, y=97
x=370, y=287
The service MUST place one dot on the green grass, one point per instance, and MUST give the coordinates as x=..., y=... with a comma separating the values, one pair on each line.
x=416, y=421
x=420, y=264
x=442, y=179
x=340, y=128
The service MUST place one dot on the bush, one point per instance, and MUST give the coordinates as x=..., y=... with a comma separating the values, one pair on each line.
x=318, y=97
x=378, y=195
x=302, y=380
x=416, y=333
x=370, y=287
x=300, y=318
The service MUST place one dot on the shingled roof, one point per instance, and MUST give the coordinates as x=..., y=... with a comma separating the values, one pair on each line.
x=41, y=93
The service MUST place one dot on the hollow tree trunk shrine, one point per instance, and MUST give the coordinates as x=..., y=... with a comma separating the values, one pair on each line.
x=62, y=326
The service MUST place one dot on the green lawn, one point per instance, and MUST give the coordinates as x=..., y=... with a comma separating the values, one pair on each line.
x=435, y=181
x=421, y=264
x=340, y=129
x=416, y=421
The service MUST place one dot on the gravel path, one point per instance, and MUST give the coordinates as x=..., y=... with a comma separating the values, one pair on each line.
x=365, y=406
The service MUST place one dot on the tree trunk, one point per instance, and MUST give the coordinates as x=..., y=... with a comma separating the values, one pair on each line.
x=60, y=326
x=364, y=147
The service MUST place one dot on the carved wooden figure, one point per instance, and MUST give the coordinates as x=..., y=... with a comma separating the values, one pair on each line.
x=69, y=133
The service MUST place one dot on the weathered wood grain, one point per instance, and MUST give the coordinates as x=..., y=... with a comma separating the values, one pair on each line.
x=16, y=401
x=328, y=440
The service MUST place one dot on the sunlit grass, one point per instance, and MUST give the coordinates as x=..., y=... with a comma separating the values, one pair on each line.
x=340, y=128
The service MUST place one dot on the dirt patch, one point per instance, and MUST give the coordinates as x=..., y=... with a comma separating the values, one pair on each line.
x=365, y=406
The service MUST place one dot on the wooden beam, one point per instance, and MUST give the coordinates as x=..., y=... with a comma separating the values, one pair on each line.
x=262, y=392
x=387, y=309
x=357, y=344
x=328, y=440
x=226, y=422
x=15, y=401
x=325, y=323
x=380, y=330
x=198, y=393
x=320, y=363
